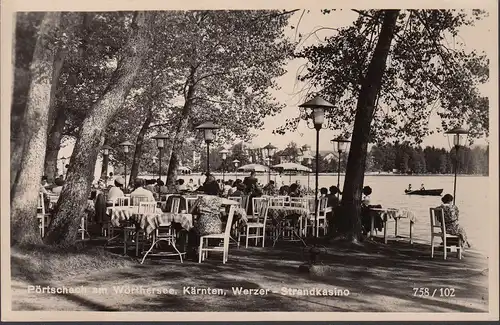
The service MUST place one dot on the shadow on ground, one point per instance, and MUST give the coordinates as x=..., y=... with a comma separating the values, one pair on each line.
x=379, y=278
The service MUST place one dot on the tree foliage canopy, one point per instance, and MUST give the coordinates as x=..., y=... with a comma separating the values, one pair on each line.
x=426, y=74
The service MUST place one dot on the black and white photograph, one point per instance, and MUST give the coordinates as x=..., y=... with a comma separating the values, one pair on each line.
x=250, y=157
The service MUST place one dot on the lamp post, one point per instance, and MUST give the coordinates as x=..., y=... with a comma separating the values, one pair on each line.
x=315, y=110
x=339, y=145
x=307, y=161
x=208, y=129
x=105, y=160
x=63, y=161
x=459, y=136
x=269, y=151
x=236, y=162
x=160, y=144
x=125, y=147
x=224, y=153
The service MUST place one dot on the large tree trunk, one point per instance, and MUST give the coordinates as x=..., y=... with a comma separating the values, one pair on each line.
x=180, y=132
x=24, y=225
x=54, y=145
x=58, y=114
x=70, y=207
x=352, y=190
x=136, y=163
x=24, y=49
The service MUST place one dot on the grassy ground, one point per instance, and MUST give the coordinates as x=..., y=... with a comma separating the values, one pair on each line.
x=379, y=278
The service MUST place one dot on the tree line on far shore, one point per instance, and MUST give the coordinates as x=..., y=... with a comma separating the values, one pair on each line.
x=395, y=158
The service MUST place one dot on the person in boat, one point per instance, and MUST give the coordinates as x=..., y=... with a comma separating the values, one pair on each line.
x=451, y=213
x=409, y=187
x=422, y=187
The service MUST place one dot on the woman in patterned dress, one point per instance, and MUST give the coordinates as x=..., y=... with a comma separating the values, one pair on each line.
x=451, y=214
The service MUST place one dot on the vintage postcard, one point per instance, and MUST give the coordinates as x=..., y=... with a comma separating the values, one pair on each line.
x=284, y=160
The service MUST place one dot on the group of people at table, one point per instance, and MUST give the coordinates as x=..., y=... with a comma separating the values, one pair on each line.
x=153, y=190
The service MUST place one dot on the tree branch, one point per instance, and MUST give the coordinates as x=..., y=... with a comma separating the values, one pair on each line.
x=436, y=45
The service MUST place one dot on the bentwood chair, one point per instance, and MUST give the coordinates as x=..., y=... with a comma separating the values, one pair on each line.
x=136, y=200
x=41, y=216
x=259, y=225
x=438, y=229
x=225, y=236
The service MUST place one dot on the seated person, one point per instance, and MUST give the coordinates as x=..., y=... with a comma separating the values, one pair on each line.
x=323, y=192
x=211, y=187
x=409, y=187
x=59, y=185
x=150, y=185
x=450, y=212
x=181, y=187
x=45, y=184
x=140, y=191
x=422, y=188
x=190, y=185
x=239, y=191
x=284, y=190
x=161, y=185
x=116, y=191
x=270, y=189
x=227, y=189
x=366, y=214
x=333, y=199
x=294, y=190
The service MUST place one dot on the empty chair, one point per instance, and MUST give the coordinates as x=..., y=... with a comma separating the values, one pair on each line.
x=256, y=205
x=259, y=225
x=225, y=236
x=323, y=210
x=245, y=200
x=438, y=229
x=40, y=214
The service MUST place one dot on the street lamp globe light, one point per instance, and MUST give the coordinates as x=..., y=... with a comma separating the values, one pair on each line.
x=224, y=153
x=315, y=111
x=459, y=137
x=209, y=129
x=339, y=145
x=105, y=152
x=269, y=150
x=160, y=144
x=126, y=148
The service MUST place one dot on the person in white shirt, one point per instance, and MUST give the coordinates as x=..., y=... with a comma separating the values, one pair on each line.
x=116, y=191
x=140, y=191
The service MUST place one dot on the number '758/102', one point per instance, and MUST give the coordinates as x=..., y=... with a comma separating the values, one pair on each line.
x=434, y=292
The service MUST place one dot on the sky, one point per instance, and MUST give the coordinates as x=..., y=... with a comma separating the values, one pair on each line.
x=289, y=87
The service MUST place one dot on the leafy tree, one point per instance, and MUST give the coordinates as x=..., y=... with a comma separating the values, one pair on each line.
x=64, y=225
x=26, y=186
x=230, y=61
x=385, y=73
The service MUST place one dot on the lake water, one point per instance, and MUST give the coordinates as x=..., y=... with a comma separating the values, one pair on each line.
x=472, y=199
